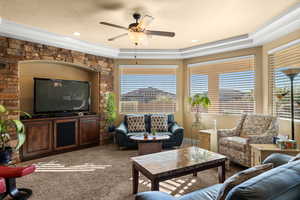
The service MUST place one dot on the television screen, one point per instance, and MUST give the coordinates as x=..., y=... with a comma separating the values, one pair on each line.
x=54, y=95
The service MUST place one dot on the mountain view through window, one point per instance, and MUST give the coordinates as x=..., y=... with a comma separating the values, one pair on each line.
x=148, y=93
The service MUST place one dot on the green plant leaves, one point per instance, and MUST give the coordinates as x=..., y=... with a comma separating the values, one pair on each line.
x=111, y=110
x=199, y=100
x=2, y=109
x=6, y=123
x=21, y=140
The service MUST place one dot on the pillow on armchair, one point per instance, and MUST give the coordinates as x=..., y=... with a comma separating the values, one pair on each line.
x=136, y=123
x=255, y=125
x=159, y=122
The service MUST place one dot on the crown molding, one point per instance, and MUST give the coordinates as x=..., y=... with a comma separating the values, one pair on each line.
x=274, y=29
x=149, y=66
x=279, y=26
x=219, y=61
x=36, y=35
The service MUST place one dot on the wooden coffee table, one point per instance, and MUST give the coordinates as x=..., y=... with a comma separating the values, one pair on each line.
x=150, y=144
x=175, y=163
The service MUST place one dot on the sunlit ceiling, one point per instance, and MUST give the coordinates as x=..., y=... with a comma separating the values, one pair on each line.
x=194, y=21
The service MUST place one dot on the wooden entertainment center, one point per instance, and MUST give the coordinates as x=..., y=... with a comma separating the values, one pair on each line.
x=46, y=136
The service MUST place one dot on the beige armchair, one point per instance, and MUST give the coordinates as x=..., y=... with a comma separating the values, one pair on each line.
x=251, y=129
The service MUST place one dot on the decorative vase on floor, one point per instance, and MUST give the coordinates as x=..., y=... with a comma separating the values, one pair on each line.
x=5, y=155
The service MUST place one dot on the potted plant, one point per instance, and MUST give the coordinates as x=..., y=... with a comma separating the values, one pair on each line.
x=281, y=92
x=198, y=102
x=111, y=111
x=7, y=125
x=154, y=133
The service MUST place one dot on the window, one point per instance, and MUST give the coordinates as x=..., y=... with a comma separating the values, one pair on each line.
x=236, y=92
x=288, y=56
x=199, y=84
x=147, y=90
x=229, y=83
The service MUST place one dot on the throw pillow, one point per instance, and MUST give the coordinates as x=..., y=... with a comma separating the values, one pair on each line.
x=241, y=177
x=255, y=124
x=136, y=123
x=297, y=157
x=159, y=122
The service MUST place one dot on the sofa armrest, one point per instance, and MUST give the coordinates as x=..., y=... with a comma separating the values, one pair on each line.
x=122, y=129
x=175, y=129
x=277, y=159
x=153, y=196
x=226, y=132
x=260, y=139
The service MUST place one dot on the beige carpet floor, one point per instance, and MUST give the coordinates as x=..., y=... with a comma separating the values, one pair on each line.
x=101, y=173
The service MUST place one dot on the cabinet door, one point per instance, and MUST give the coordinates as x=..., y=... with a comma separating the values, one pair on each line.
x=89, y=131
x=39, y=138
x=65, y=133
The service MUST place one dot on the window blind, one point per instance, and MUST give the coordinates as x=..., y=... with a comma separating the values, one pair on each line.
x=230, y=84
x=198, y=85
x=280, y=83
x=236, y=92
x=146, y=90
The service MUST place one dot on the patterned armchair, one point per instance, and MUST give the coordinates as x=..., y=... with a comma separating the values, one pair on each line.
x=251, y=129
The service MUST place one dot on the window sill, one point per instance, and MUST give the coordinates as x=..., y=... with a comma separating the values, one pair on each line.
x=288, y=119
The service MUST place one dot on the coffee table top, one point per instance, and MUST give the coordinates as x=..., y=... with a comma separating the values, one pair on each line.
x=150, y=138
x=158, y=163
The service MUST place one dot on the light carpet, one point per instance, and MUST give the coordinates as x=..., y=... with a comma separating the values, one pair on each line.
x=101, y=173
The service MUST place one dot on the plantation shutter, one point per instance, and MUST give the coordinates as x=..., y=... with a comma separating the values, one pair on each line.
x=147, y=89
x=280, y=84
x=231, y=84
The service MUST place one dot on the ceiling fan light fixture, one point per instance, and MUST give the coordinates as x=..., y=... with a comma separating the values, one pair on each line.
x=76, y=33
x=138, y=37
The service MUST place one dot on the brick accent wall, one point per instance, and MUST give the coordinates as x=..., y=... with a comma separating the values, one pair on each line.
x=13, y=51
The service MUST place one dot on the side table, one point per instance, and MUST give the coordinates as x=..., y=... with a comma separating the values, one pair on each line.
x=207, y=139
x=260, y=151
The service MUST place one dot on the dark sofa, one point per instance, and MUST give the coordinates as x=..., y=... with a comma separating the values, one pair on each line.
x=280, y=183
x=174, y=131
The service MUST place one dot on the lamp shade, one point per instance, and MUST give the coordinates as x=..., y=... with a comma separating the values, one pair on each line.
x=138, y=37
x=291, y=71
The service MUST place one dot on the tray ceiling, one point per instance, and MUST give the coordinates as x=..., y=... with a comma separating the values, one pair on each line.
x=201, y=20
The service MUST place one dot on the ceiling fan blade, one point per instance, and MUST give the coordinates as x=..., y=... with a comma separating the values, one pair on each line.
x=118, y=36
x=114, y=25
x=160, y=33
x=145, y=21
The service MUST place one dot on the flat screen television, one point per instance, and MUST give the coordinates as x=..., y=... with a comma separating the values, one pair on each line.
x=60, y=96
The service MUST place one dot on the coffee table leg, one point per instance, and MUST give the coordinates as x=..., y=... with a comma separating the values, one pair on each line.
x=194, y=173
x=135, y=179
x=154, y=185
x=221, y=171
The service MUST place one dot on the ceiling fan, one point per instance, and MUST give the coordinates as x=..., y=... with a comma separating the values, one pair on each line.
x=137, y=31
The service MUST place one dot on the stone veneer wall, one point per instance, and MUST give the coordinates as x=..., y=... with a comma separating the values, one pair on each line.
x=13, y=51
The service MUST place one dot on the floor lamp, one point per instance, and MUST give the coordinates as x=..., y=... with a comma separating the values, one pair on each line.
x=292, y=72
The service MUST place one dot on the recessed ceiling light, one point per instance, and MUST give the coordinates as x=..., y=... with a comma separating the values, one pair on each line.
x=76, y=33
x=195, y=40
